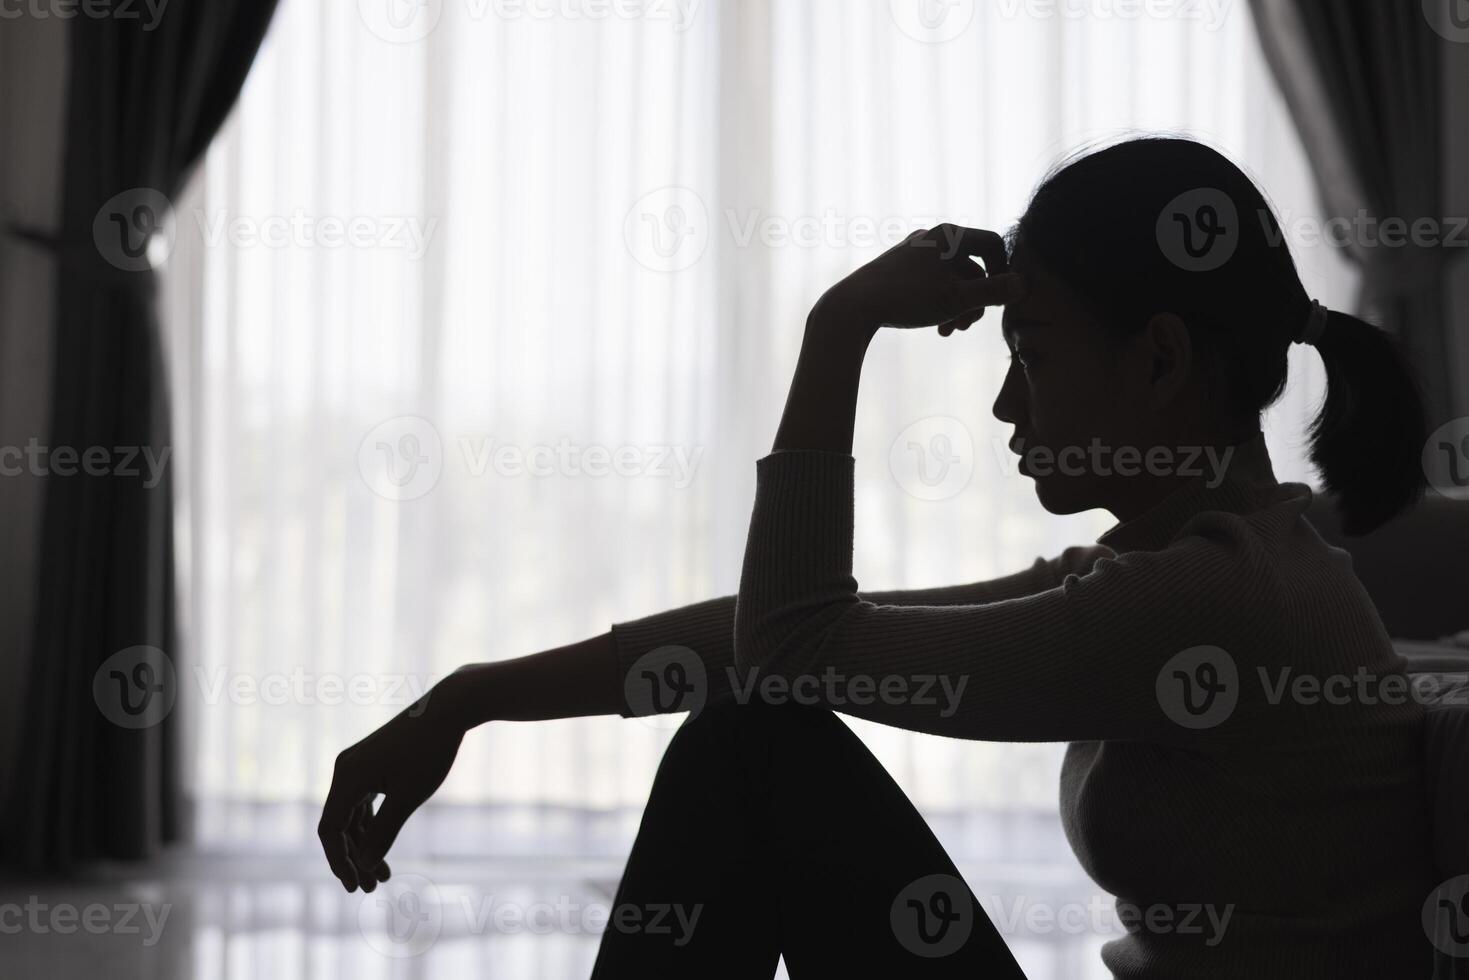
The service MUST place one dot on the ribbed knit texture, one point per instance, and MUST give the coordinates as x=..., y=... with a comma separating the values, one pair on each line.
x=1306, y=823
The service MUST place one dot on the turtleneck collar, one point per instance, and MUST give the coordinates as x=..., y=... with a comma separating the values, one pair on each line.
x=1247, y=479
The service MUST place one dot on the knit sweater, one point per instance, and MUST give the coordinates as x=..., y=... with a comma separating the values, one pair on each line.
x=1245, y=768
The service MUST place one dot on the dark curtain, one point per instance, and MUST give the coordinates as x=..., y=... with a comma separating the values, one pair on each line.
x=96, y=777
x=1363, y=80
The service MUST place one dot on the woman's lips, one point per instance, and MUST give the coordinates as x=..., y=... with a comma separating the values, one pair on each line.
x=1017, y=447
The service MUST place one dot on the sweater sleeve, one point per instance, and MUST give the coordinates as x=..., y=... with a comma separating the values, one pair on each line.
x=706, y=628
x=1128, y=650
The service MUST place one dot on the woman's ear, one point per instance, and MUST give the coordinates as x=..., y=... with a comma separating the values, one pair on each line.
x=1169, y=349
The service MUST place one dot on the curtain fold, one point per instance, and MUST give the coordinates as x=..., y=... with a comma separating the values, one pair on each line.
x=97, y=774
x=1363, y=83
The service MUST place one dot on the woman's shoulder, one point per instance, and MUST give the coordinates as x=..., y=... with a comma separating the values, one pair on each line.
x=1242, y=567
x=1269, y=539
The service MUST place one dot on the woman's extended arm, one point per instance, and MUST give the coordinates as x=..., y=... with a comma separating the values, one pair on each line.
x=590, y=677
x=570, y=681
x=408, y=758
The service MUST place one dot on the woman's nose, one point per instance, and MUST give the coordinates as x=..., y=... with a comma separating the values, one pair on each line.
x=1009, y=405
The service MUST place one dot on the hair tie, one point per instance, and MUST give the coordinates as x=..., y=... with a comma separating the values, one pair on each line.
x=1314, y=326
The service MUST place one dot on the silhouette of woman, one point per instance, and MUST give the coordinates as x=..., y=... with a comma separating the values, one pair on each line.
x=1238, y=776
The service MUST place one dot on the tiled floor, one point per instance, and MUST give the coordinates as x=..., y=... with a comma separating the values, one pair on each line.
x=282, y=919
x=287, y=920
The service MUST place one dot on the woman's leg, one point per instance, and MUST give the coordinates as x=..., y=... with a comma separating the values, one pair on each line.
x=773, y=830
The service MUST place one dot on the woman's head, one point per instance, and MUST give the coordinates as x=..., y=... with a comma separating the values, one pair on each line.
x=1162, y=301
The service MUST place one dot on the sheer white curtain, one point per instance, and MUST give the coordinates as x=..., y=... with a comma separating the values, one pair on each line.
x=481, y=313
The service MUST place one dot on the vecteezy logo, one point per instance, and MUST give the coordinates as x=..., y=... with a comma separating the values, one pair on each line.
x=932, y=21
x=1446, y=458
x=401, y=459
x=402, y=917
x=1199, y=687
x=933, y=459
x=135, y=687
x=1199, y=229
x=666, y=681
x=1448, y=18
x=400, y=21
x=933, y=916
x=667, y=230
x=134, y=230
x=1446, y=916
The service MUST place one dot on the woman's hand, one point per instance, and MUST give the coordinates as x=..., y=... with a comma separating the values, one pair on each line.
x=406, y=760
x=927, y=279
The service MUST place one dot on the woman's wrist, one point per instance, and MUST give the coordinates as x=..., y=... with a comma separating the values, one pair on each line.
x=571, y=681
x=463, y=700
x=830, y=322
x=821, y=405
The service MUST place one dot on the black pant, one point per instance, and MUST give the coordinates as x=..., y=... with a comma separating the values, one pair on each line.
x=772, y=830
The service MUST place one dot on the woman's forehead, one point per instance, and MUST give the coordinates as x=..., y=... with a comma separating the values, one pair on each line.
x=1048, y=309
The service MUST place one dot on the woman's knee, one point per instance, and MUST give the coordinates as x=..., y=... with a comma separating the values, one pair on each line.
x=761, y=714
x=760, y=731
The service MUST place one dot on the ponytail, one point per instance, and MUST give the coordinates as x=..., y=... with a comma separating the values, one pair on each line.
x=1368, y=437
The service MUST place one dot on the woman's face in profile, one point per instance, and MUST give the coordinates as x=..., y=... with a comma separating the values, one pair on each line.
x=1073, y=395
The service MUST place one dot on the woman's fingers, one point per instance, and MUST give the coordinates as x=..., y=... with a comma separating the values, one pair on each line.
x=942, y=276
x=960, y=323
x=336, y=817
x=382, y=830
x=988, y=245
x=338, y=855
x=968, y=269
x=355, y=834
x=954, y=303
x=358, y=838
x=957, y=243
x=348, y=805
x=995, y=290
x=369, y=836
x=974, y=295
x=974, y=287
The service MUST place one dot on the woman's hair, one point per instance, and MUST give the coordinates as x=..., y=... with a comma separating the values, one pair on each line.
x=1168, y=225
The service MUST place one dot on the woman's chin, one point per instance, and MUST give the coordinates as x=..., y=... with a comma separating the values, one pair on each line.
x=1060, y=495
